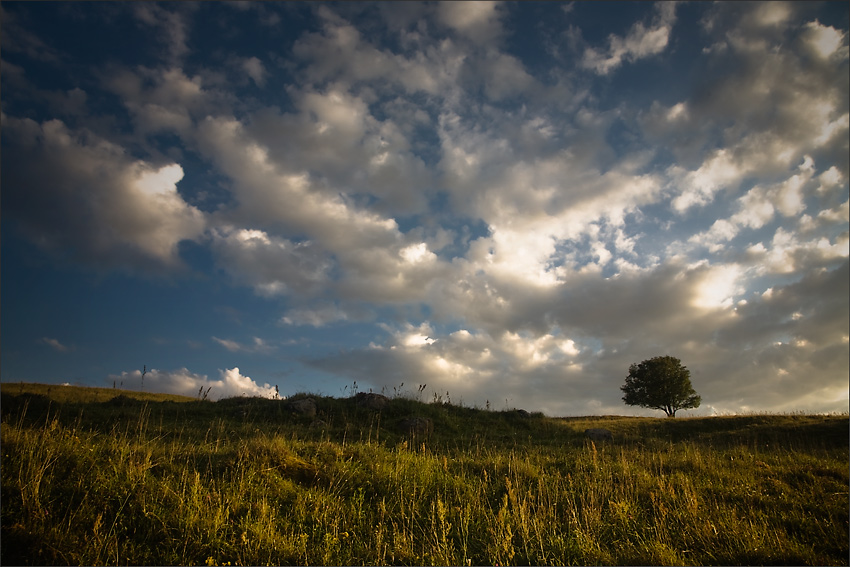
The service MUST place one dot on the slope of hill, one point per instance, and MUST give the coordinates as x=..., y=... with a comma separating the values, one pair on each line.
x=127, y=477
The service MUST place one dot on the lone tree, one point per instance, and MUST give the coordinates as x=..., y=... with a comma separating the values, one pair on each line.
x=660, y=383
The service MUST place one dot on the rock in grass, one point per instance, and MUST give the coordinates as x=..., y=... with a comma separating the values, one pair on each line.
x=304, y=406
x=598, y=434
x=417, y=425
x=371, y=401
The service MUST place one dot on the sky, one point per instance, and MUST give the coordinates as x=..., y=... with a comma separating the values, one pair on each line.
x=506, y=203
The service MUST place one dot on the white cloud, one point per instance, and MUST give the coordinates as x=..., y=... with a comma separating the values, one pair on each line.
x=171, y=26
x=232, y=346
x=699, y=187
x=728, y=347
x=504, y=76
x=789, y=254
x=230, y=383
x=254, y=68
x=469, y=365
x=826, y=218
x=56, y=345
x=758, y=206
x=535, y=198
x=160, y=100
x=340, y=54
x=270, y=264
x=789, y=195
x=417, y=253
x=829, y=180
x=73, y=189
x=321, y=314
x=257, y=345
x=262, y=192
x=758, y=110
x=718, y=287
x=825, y=41
x=476, y=20
x=364, y=247
x=413, y=337
x=532, y=231
x=334, y=134
x=641, y=42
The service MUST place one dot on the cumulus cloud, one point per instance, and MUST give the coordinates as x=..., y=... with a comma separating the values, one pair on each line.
x=597, y=329
x=538, y=273
x=758, y=206
x=514, y=369
x=271, y=265
x=332, y=231
x=699, y=187
x=334, y=133
x=73, y=191
x=530, y=232
x=776, y=105
x=642, y=41
x=161, y=99
x=824, y=41
x=340, y=53
x=230, y=383
x=286, y=195
x=477, y=20
x=254, y=68
x=170, y=25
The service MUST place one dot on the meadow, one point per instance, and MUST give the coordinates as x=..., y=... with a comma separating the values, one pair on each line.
x=102, y=476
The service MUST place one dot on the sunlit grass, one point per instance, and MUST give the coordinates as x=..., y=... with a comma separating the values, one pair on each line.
x=242, y=482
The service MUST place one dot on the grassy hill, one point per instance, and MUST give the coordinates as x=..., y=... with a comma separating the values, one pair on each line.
x=96, y=475
x=83, y=394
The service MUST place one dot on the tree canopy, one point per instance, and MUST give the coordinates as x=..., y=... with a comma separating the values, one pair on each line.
x=660, y=383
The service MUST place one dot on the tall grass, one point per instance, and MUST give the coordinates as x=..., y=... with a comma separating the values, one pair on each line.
x=189, y=483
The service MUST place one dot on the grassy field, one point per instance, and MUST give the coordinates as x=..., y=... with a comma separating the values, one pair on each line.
x=159, y=480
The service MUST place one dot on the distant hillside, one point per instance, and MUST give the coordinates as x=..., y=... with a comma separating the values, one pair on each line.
x=84, y=394
x=340, y=418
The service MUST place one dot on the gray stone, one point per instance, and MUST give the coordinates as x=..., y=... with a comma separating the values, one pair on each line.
x=418, y=425
x=304, y=406
x=371, y=401
x=598, y=434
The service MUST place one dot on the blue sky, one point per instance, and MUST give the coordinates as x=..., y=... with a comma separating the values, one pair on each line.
x=508, y=202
